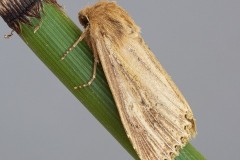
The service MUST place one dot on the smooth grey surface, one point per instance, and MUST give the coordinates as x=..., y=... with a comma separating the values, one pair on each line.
x=198, y=42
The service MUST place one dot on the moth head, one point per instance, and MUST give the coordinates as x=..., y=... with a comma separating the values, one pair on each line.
x=83, y=18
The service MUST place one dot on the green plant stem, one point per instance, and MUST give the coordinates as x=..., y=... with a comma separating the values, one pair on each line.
x=56, y=34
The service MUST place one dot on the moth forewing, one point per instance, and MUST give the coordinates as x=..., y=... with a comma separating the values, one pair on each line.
x=155, y=115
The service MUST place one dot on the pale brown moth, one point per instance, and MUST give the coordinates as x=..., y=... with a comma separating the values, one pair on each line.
x=155, y=115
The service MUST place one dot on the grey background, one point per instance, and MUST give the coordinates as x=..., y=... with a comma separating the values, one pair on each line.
x=198, y=42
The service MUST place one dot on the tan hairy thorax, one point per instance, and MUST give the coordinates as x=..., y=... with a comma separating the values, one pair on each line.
x=156, y=117
x=105, y=19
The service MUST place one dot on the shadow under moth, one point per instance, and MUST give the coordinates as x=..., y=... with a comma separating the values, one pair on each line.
x=156, y=117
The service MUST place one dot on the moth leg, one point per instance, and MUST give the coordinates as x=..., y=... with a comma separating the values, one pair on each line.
x=38, y=26
x=75, y=43
x=93, y=75
x=96, y=61
x=9, y=35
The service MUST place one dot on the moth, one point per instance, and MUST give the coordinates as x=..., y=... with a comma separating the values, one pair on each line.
x=156, y=117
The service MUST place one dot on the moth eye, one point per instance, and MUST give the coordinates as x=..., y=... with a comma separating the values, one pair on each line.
x=83, y=20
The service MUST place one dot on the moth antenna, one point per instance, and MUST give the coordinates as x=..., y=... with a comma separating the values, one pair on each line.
x=93, y=75
x=75, y=43
x=87, y=18
x=38, y=26
x=8, y=35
